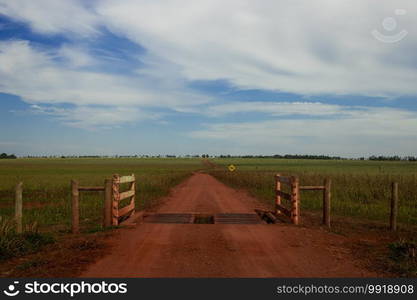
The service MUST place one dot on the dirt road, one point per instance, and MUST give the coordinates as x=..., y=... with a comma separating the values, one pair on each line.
x=222, y=250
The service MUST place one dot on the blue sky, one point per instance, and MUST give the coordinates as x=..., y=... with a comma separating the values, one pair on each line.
x=184, y=77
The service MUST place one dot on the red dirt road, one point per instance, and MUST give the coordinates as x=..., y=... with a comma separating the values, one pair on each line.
x=223, y=250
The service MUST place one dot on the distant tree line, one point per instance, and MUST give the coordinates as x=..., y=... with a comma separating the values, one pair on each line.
x=286, y=156
x=392, y=158
x=6, y=156
x=276, y=156
x=327, y=157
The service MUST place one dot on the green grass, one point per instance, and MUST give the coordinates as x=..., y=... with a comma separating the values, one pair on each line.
x=46, y=186
x=403, y=254
x=359, y=188
x=14, y=244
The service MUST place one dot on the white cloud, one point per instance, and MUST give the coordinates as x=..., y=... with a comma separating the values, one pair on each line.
x=92, y=118
x=371, y=130
x=278, y=108
x=39, y=76
x=52, y=17
x=302, y=47
x=297, y=46
x=75, y=56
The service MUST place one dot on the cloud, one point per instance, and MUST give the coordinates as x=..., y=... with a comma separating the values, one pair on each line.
x=369, y=130
x=36, y=76
x=279, y=109
x=303, y=47
x=53, y=17
x=92, y=118
x=63, y=76
x=76, y=57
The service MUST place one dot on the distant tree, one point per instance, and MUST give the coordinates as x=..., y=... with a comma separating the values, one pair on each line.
x=5, y=156
x=385, y=158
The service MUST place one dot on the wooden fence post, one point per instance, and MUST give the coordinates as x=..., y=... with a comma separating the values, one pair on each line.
x=295, y=200
x=394, y=206
x=133, y=199
x=115, y=199
x=278, y=196
x=75, y=200
x=18, y=207
x=326, y=201
x=108, y=194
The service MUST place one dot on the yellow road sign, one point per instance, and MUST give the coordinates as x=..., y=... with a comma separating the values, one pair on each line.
x=232, y=168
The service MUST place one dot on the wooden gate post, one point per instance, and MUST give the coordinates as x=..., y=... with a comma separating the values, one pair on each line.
x=115, y=199
x=75, y=204
x=295, y=200
x=326, y=201
x=108, y=194
x=277, y=194
x=394, y=206
x=18, y=207
x=133, y=199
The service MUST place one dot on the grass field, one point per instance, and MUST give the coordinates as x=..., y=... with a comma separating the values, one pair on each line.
x=359, y=188
x=46, y=192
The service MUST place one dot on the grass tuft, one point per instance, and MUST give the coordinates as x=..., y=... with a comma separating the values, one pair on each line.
x=13, y=244
x=403, y=254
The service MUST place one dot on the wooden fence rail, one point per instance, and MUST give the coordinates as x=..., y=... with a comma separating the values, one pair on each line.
x=112, y=197
x=294, y=197
x=112, y=213
x=326, y=188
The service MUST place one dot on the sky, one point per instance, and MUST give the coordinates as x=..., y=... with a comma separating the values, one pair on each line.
x=107, y=77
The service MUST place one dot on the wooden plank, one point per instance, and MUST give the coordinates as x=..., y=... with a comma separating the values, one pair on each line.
x=394, y=206
x=18, y=206
x=127, y=209
x=75, y=205
x=312, y=188
x=126, y=194
x=284, y=179
x=125, y=179
x=283, y=195
x=91, y=188
x=284, y=210
x=271, y=216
